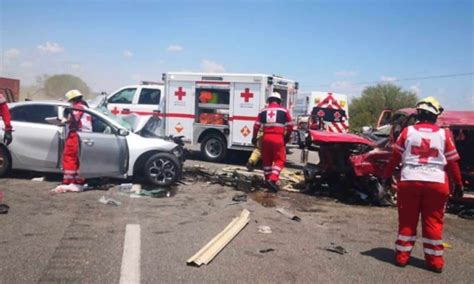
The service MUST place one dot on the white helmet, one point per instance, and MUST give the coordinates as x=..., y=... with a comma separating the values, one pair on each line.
x=275, y=95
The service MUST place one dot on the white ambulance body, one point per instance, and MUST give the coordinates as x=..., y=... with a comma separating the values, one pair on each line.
x=306, y=102
x=218, y=111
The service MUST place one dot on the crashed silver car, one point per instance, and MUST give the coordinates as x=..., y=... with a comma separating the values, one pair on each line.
x=110, y=150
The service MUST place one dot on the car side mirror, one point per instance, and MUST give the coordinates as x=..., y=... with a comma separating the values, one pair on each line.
x=122, y=132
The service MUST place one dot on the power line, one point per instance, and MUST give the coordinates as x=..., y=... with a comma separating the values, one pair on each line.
x=405, y=79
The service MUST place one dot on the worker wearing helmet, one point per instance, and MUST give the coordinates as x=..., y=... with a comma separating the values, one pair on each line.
x=277, y=125
x=75, y=121
x=5, y=114
x=425, y=151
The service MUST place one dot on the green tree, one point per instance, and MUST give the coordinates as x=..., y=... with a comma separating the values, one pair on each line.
x=365, y=110
x=57, y=85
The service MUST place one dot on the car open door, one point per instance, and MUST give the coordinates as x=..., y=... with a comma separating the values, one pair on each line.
x=103, y=152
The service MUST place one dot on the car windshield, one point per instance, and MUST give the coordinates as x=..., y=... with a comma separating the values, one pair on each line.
x=98, y=104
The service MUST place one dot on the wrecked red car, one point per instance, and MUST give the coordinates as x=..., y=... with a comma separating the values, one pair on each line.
x=350, y=163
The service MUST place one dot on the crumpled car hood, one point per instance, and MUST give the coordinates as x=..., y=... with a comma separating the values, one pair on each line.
x=330, y=137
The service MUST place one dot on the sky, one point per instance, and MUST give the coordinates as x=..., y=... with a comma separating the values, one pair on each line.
x=338, y=46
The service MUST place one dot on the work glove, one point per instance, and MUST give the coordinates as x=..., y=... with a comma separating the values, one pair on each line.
x=458, y=191
x=7, y=137
x=254, y=141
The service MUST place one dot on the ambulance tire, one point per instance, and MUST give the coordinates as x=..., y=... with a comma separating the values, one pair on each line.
x=162, y=169
x=5, y=161
x=214, y=148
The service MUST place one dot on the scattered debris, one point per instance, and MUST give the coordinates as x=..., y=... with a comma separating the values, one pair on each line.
x=264, y=229
x=38, y=179
x=266, y=250
x=240, y=197
x=243, y=180
x=109, y=201
x=337, y=249
x=63, y=188
x=211, y=249
x=4, y=208
x=447, y=245
x=288, y=214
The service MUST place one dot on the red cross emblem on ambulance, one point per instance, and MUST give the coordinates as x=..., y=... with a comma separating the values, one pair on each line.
x=247, y=95
x=180, y=93
x=424, y=151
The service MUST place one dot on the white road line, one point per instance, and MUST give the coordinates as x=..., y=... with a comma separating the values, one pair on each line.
x=130, y=272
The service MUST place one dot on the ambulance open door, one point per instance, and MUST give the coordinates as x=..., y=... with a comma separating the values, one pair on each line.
x=246, y=105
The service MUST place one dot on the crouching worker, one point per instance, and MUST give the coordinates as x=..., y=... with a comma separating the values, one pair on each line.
x=276, y=124
x=256, y=153
x=76, y=121
x=425, y=151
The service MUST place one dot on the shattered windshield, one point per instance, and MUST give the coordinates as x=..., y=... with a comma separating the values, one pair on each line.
x=98, y=104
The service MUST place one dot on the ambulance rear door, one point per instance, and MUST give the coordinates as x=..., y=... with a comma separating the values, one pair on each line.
x=245, y=108
x=180, y=109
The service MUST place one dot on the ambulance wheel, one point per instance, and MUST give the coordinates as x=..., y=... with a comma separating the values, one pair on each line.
x=214, y=148
x=162, y=169
x=4, y=161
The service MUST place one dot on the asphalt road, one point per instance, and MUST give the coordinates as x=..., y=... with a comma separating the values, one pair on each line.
x=72, y=237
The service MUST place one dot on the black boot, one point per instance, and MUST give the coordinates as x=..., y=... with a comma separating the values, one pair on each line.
x=272, y=186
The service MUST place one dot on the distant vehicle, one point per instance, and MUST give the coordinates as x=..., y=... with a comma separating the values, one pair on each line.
x=323, y=111
x=216, y=111
x=11, y=88
x=110, y=150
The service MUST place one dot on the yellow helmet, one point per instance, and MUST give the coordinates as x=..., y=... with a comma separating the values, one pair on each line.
x=431, y=105
x=72, y=94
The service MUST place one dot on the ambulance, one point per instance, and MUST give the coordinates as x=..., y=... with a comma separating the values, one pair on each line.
x=322, y=110
x=214, y=110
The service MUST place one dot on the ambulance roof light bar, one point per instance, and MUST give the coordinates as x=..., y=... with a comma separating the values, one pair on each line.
x=151, y=83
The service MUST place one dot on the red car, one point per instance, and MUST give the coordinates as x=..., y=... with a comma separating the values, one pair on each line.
x=357, y=161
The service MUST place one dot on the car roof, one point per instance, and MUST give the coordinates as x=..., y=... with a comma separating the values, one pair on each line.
x=448, y=118
x=63, y=104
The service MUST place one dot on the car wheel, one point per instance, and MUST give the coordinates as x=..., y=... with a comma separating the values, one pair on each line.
x=214, y=148
x=162, y=169
x=4, y=161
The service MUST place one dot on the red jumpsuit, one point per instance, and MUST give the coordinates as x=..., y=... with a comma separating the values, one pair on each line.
x=5, y=114
x=425, y=151
x=277, y=126
x=71, y=147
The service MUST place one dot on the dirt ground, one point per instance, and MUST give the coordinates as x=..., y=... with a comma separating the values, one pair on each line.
x=70, y=237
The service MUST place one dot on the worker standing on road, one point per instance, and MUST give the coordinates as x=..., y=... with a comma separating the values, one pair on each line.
x=424, y=150
x=5, y=114
x=76, y=121
x=277, y=126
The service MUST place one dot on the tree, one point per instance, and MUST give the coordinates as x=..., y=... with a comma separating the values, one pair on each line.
x=365, y=110
x=57, y=85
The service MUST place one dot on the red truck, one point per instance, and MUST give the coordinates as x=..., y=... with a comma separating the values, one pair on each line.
x=11, y=88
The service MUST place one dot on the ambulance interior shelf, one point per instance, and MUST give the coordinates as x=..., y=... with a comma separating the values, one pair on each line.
x=213, y=105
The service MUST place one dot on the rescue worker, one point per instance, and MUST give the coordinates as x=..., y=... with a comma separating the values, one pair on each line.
x=75, y=121
x=425, y=152
x=274, y=121
x=5, y=114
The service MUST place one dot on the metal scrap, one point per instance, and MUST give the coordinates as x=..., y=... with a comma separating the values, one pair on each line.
x=288, y=214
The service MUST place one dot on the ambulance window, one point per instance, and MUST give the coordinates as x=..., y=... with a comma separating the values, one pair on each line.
x=124, y=96
x=149, y=97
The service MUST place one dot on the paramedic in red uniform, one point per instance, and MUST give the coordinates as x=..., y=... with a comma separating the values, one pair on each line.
x=277, y=126
x=5, y=114
x=426, y=152
x=76, y=121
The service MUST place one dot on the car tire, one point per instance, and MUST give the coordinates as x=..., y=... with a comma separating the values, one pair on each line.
x=5, y=161
x=162, y=169
x=214, y=148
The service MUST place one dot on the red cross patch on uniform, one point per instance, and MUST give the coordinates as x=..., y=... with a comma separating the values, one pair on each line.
x=271, y=116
